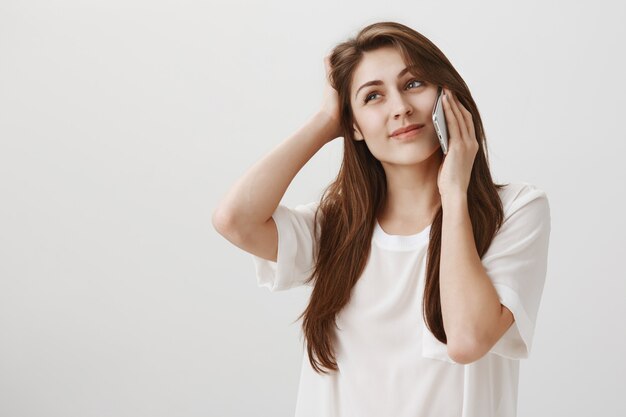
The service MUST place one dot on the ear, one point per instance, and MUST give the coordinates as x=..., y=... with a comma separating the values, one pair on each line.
x=357, y=133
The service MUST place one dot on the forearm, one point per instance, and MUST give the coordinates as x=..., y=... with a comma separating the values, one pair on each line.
x=255, y=196
x=469, y=301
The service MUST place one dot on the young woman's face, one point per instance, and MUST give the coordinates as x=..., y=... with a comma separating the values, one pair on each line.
x=392, y=104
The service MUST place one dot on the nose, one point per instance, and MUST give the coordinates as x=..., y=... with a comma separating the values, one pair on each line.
x=401, y=106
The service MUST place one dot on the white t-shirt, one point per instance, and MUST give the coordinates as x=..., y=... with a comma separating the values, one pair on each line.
x=389, y=362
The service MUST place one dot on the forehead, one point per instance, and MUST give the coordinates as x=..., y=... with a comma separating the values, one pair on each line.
x=379, y=64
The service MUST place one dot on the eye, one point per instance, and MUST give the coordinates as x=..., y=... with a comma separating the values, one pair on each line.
x=367, y=98
x=415, y=80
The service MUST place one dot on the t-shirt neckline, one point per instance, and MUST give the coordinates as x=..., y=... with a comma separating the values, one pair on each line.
x=401, y=242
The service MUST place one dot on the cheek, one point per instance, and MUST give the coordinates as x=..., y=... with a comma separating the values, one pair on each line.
x=375, y=125
x=431, y=134
x=367, y=119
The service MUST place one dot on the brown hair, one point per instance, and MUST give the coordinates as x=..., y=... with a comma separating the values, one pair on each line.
x=349, y=205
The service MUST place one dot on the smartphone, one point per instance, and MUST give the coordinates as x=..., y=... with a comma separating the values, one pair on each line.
x=439, y=120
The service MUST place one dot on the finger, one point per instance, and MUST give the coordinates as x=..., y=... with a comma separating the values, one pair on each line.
x=459, y=116
x=469, y=122
x=451, y=120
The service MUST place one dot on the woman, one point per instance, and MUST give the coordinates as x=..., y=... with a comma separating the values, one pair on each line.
x=426, y=276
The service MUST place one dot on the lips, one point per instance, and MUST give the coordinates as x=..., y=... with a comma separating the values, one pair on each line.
x=406, y=129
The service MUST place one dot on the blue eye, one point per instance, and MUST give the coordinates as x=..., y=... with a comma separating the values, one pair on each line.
x=415, y=80
x=367, y=98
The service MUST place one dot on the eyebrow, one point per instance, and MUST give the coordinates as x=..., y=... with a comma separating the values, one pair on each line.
x=379, y=82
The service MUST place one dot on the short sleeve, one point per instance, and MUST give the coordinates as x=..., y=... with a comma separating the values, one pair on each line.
x=296, y=249
x=516, y=263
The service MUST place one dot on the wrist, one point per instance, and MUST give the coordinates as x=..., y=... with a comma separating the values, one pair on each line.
x=329, y=125
x=453, y=199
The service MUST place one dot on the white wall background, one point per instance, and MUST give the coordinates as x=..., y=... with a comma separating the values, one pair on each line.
x=123, y=123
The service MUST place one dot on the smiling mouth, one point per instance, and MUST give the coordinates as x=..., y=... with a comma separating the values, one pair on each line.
x=409, y=133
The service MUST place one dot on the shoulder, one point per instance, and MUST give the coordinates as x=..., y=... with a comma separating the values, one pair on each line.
x=516, y=195
x=304, y=214
x=306, y=210
x=311, y=207
x=302, y=209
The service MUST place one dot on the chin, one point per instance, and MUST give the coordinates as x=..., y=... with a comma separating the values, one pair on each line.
x=410, y=153
x=412, y=158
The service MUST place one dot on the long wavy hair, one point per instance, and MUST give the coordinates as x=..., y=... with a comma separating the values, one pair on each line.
x=349, y=205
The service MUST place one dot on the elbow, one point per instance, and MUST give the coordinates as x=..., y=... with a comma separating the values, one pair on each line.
x=465, y=353
x=461, y=357
x=222, y=221
x=224, y=224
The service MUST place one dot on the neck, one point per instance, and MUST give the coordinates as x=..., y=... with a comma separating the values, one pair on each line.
x=412, y=191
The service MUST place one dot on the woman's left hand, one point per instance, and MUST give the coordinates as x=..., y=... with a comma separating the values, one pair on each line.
x=456, y=168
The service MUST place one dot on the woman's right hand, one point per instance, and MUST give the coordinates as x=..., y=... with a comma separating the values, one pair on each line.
x=330, y=105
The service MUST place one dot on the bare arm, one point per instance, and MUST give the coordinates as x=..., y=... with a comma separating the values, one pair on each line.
x=244, y=215
x=473, y=317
